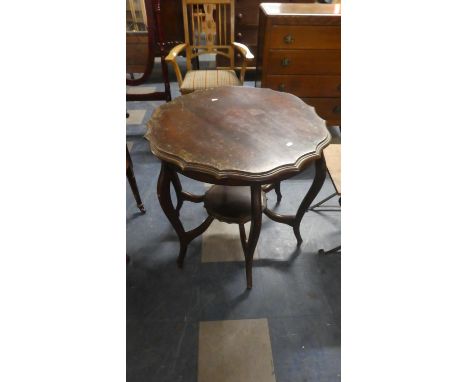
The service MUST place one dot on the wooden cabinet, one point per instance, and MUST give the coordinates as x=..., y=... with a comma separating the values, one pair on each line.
x=299, y=52
x=246, y=26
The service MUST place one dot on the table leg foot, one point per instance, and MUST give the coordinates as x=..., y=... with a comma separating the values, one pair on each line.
x=297, y=233
x=248, y=245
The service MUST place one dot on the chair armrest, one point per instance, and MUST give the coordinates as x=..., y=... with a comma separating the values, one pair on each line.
x=246, y=53
x=175, y=52
x=171, y=57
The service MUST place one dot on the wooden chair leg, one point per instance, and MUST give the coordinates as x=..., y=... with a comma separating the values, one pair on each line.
x=133, y=183
x=278, y=192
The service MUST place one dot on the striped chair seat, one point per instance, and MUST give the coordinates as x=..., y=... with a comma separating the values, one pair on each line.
x=333, y=158
x=204, y=79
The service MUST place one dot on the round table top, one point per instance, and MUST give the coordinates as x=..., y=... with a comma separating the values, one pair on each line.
x=238, y=133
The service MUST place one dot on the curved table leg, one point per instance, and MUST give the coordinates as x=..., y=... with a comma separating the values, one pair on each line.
x=255, y=226
x=295, y=220
x=183, y=195
x=164, y=196
x=178, y=190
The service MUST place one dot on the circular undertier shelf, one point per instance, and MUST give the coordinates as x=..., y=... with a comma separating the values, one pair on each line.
x=230, y=204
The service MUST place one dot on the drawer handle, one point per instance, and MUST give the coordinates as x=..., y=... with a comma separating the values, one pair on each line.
x=288, y=39
x=285, y=62
x=281, y=87
x=337, y=109
x=239, y=35
x=240, y=15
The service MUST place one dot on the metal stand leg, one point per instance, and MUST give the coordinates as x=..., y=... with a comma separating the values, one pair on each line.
x=255, y=227
x=295, y=220
x=333, y=250
x=164, y=196
x=322, y=201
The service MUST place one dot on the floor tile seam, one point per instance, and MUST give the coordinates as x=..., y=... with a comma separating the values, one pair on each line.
x=287, y=316
x=197, y=319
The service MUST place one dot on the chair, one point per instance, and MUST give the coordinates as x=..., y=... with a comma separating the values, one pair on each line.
x=145, y=41
x=132, y=181
x=209, y=29
x=332, y=155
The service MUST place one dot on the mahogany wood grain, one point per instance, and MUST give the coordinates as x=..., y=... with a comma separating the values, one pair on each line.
x=319, y=11
x=299, y=52
x=164, y=196
x=328, y=108
x=153, y=34
x=237, y=134
x=247, y=36
x=305, y=37
x=230, y=204
x=306, y=85
x=246, y=28
x=304, y=62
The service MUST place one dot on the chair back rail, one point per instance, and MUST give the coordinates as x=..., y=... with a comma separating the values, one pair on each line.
x=208, y=28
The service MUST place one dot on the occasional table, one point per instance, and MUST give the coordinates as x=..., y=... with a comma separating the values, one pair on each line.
x=244, y=141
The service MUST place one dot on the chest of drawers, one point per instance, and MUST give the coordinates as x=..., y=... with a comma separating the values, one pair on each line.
x=299, y=52
x=246, y=23
x=246, y=28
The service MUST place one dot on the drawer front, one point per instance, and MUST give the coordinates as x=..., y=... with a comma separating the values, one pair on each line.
x=246, y=15
x=328, y=109
x=246, y=35
x=306, y=86
x=304, y=62
x=305, y=37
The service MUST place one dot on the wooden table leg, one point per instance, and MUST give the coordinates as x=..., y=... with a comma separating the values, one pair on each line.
x=255, y=227
x=317, y=184
x=178, y=190
x=295, y=220
x=164, y=196
x=183, y=195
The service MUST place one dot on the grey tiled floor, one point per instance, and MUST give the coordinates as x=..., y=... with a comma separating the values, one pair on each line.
x=296, y=290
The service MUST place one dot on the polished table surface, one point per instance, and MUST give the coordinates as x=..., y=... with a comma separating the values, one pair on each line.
x=238, y=133
x=231, y=137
